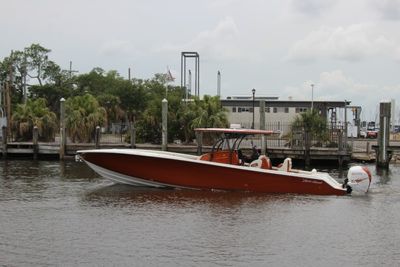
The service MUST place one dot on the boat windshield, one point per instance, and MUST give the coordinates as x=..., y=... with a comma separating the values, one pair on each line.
x=227, y=146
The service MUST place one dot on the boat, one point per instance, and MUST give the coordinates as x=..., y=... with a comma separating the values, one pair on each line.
x=225, y=167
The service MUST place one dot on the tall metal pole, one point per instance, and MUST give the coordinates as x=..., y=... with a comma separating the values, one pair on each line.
x=312, y=97
x=219, y=83
x=189, y=86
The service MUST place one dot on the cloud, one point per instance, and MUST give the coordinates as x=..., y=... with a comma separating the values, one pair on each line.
x=218, y=43
x=388, y=9
x=353, y=43
x=117, y=48
x=337, y=86
x=311, y=7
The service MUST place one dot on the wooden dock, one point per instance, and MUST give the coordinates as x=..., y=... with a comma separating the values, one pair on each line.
x=51, y=150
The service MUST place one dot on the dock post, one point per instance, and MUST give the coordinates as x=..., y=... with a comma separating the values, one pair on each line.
x=262, y=127
x=97, y=137
x=35, y=142
x=383, y=135
x=164, y=124
x=63, y=137
x=341, y=149
x=4, y=134
x=133, y=135
x=307, y=145
x=199, y=141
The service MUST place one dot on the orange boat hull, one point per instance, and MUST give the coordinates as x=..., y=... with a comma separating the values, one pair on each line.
x=204, y=175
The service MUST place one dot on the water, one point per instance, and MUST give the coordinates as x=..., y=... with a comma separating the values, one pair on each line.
x=54, y=213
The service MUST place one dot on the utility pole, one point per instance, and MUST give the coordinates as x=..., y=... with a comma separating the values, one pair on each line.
x=219, y=83
x=71, y=70
x=312, y=97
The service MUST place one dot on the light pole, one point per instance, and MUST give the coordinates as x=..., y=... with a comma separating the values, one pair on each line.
x=312, y=97
x=254, y=92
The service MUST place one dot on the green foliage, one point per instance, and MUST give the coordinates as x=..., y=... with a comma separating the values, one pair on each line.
x=202, y=113
x=83, y=114
x=34, y=113
x=311, y=122
x=102, y=97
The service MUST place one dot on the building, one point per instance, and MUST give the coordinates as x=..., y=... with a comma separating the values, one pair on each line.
x=280, y=113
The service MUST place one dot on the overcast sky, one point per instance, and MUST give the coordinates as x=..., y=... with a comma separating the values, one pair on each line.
x=350, y=49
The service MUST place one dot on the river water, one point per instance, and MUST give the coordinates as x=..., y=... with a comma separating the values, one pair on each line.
x=61, y=213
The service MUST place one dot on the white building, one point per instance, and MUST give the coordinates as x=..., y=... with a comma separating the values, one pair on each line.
x=279, y=113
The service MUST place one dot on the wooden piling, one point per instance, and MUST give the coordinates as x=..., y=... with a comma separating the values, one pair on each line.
x=199, y=140
x=262, y=127
x=35, y=142
x=4, y=134
x=383, y=157
x=307, y=148
x=133, y=135
x=97, y=137
x=164, y=124
x=63, y=137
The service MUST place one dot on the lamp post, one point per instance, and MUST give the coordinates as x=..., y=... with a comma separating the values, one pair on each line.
x=254, y=92
x=312, y=97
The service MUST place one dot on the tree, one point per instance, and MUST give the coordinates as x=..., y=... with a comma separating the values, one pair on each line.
x=201, y=113
x=83, y=114
x=34, y=113
x=312, y=123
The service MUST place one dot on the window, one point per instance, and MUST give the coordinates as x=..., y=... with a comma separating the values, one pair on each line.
x=286, y=110
x=239, y=110
x=268, y=109
x=275, y=110
x=234, y=109
x=300, y=110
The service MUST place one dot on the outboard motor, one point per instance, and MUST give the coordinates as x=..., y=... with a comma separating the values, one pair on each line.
x=358, y=179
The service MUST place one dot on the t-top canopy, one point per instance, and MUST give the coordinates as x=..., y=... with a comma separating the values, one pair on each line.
x=233, y=131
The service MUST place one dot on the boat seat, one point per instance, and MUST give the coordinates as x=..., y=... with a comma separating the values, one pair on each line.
x=262, y=162
x=286, y=165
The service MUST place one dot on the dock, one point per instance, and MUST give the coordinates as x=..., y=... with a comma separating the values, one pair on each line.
x=52, y=150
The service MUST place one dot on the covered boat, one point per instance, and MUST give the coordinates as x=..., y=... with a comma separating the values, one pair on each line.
x=224, y=168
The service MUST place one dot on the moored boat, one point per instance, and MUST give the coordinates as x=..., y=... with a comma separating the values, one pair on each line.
x=224, y=168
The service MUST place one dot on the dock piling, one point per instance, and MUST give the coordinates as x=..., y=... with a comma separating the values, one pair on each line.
x=97, y=137
x=164, y=124
x=262, y=127
x=35, y=142
x=133, y=135
x=383, y=157
x=4, y=134
x=63, y=137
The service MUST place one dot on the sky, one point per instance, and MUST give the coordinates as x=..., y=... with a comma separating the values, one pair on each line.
x=349, y=49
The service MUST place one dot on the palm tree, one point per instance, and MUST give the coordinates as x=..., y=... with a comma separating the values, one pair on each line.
x=83, y=114
x=203, y=113
x=313, y=124
x=34, y=113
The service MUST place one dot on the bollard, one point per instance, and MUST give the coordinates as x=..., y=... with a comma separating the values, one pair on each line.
x=35, y=142
x=164, y=124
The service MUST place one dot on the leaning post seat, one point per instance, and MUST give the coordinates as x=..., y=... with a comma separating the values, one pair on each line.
x=286, y=165
x=262, y=162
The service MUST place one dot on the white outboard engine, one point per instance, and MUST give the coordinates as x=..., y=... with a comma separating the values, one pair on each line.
x=359, y=179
